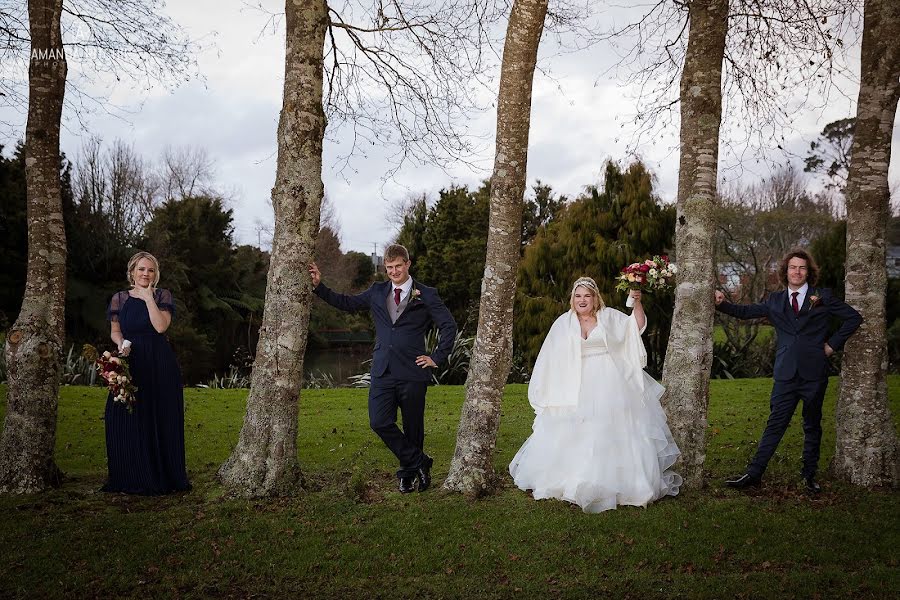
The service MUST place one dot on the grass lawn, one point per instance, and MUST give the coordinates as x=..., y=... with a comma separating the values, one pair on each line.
x=351, y=535
x=766, y=333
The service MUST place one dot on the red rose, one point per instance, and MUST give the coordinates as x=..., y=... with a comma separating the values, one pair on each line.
x=644, y=268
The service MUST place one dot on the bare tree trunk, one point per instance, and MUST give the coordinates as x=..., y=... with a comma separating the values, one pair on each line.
x=472, y=471
x=866, y=449
x=689, y=354
x=264, y=462
x=34, y=344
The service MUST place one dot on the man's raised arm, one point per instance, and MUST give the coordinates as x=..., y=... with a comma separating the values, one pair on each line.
x=740, y=311
x=345, y=302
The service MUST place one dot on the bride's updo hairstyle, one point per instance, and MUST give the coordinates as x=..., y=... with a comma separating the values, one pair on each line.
x=589, y=284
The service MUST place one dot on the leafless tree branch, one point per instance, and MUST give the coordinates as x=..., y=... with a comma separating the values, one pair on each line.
x=405, y=74
x=781, y=57
x=107, y=42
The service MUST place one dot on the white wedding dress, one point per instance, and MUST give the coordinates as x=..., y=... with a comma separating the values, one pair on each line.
x=603, y=441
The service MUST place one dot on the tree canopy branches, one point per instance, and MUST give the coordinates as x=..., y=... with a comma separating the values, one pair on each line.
x=405, y=74
x=106, y=42
x=780, y=57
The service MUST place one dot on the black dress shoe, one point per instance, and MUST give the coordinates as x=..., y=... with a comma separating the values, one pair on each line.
x=407, y=484
x=425, y=473
x=811, y=486
x=743, y=481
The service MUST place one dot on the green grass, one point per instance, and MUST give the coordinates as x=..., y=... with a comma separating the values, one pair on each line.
x=350, y=535
x=765, y=333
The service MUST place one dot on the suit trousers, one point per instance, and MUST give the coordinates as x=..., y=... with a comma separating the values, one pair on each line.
x=785, y=397
x=386, y=395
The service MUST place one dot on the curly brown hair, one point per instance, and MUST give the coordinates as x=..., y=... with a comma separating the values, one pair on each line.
x=812, y=273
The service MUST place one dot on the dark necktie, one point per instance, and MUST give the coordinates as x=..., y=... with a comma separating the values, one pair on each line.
x=794, y=304
x=397, y=297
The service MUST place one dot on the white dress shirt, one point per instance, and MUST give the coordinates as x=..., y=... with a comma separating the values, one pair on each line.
x=801, y=295
x=405, y=288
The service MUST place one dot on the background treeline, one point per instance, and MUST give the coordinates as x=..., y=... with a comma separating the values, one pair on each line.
x=621, y=220
x=115, y=203
x=595, y=234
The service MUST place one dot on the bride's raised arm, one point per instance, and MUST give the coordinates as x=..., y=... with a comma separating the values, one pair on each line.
x=638, y=310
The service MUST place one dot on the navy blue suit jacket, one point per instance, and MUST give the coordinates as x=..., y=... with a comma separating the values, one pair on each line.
x=801, y=338
x=398, y=344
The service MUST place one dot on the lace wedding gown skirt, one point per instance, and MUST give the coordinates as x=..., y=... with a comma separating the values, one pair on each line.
x=611, y=448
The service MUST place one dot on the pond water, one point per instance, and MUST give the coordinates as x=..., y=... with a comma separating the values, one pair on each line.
x=339, y=363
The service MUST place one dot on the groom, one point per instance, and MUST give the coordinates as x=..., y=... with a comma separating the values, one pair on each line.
x=403, y=310
x=800, y=315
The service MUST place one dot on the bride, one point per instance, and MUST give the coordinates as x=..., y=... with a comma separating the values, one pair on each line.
x=600, y=436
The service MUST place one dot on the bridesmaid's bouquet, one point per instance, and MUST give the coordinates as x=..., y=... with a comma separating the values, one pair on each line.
x=653, y=274
x=114, y=371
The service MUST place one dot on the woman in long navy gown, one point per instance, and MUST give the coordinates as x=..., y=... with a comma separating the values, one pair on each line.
x=145, y=447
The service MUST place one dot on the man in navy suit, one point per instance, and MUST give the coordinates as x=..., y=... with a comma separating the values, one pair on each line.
x=403, y=311
x=800, y=315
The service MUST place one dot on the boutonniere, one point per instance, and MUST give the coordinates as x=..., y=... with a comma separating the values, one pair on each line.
x=814, y=299
x=414, y=295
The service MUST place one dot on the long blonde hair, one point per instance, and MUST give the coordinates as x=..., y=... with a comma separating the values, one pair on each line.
x=590, y=284
x=133, y=261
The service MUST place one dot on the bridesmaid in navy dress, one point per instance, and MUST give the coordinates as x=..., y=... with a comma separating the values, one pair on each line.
x=145, y=447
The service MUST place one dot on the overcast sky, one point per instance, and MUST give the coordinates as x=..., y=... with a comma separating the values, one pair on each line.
x=578, y=121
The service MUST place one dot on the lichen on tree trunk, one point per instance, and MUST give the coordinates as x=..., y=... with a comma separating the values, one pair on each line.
x=34, y=343
x=264, y=462
x=866, y=452
x=689, y=354
x=471, y=471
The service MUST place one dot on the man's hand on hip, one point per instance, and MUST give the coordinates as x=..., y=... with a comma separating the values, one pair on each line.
x=425, y=361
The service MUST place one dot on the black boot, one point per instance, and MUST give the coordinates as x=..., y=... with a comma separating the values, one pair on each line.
x=407, y=484
x=425, y=473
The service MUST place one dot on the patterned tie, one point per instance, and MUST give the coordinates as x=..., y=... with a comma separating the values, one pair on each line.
x=794, y=304
x=397, y=297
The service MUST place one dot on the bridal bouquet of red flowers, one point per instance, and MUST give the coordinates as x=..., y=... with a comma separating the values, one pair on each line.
x=653, y=274
x=113, y=369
